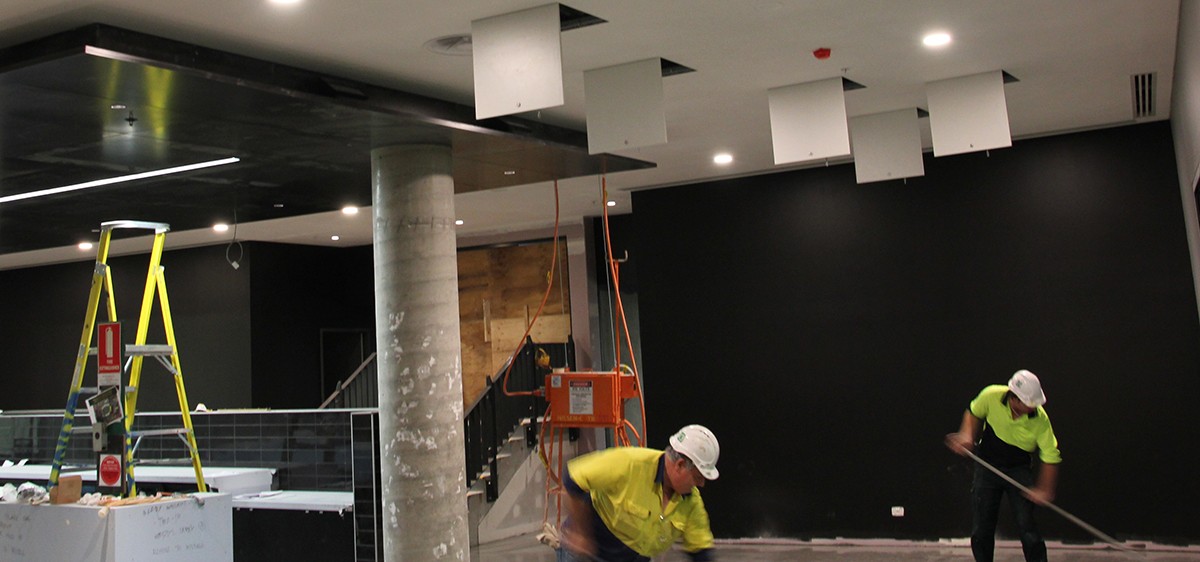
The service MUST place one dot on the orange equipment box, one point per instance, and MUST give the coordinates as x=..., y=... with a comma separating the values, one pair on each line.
x=589, y=399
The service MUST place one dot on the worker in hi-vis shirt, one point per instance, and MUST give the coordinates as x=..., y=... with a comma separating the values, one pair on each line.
x=628, y=504
x=1007, y=427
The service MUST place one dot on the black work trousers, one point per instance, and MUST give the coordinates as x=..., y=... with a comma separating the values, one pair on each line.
x=986, y=491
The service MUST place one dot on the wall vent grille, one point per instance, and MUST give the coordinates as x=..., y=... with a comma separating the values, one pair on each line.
x=1143, y=94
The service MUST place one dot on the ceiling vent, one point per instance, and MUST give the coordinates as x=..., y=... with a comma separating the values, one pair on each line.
x=1143, y=94
x=455, y=45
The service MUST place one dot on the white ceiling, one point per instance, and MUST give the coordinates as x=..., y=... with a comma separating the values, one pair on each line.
x=1073, y=58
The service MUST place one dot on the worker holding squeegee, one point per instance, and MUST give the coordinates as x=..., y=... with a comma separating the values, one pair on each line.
x=1004, y=427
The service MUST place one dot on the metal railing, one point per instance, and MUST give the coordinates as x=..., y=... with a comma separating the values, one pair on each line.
x=360, y=390
x=493, y=417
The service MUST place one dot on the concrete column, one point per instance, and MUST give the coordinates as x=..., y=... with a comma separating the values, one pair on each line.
x=424, y=503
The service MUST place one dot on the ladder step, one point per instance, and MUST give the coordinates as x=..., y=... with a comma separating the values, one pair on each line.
x=184, y=460
x=159, y=432
x=144, y=350
x=149, y=350
x=96, y=390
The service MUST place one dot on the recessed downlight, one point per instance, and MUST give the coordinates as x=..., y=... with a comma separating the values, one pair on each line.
x=85, y=246
x=611, y=203
x=510, y=172
x=349, y=210
x=458, y=222
x=285, y=2
x=937, y=39
x=220, y=227
x=335, y=238
x=723, y=158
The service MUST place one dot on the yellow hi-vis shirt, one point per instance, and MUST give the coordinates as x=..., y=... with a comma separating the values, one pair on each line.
x=628, y=499
x=1028, y=432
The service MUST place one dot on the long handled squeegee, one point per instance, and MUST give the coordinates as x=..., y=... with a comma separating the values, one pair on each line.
x=1094, y=531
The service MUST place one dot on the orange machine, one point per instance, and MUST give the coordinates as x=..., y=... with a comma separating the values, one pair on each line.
x=589, y=399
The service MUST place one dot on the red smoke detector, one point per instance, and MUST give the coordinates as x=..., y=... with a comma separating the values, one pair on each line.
x=822, y=53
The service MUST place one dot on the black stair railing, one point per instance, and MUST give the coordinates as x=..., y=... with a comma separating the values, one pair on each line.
x=493, y=416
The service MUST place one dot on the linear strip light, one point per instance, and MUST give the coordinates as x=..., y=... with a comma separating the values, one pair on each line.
x=118, y=179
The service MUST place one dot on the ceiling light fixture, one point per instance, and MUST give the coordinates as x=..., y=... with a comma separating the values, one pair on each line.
x=285, y=2
x=349, y=210
x=939, y=39
x=335, y=238
x=510, y=172
x=85, y=246
x=118, y=179
x=458, y=222
x=723, y=158
x=611, y=203
x=220, y=227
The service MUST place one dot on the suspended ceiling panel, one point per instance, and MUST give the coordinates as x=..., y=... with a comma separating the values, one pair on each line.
x=808, y=121
x=625, y=106
x=968, y=114
x=517, y=59
x=887, y=146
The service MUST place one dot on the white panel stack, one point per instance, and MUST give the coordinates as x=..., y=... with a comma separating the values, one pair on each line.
x=625, y=106
x=968, y=114
x=808, y=121
x=887, y=146
x=517, y=61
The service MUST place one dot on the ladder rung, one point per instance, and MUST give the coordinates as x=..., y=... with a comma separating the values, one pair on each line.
x=95, y=390
x=183, y=460
x=147, y=350
x=159, y=432
x=143, y=350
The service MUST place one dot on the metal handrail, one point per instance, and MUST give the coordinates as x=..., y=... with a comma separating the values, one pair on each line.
x=342, y=386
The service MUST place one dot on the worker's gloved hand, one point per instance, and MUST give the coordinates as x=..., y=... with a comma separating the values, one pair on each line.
x=960, y=443
x=1040, y=496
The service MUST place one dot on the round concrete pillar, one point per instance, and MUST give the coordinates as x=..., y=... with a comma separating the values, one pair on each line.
x=423, y=487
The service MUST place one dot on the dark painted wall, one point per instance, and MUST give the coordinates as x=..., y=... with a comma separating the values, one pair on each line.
x=298, y=291
x=264, y=318
x=831, y=334
x=42, y=318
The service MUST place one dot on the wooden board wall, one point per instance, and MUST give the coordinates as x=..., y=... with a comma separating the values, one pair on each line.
x=499, y=290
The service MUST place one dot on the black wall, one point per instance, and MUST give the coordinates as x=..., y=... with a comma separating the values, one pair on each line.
x=263, y=318
x=298, y=291
x=41, y=319
x=831, y=334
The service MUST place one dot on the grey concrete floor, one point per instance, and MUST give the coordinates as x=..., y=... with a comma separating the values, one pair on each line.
x=527, y=549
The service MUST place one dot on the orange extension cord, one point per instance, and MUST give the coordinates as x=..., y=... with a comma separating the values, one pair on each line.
x=621, y=432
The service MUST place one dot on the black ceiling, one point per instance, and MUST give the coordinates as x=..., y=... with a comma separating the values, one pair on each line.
x=304, y=139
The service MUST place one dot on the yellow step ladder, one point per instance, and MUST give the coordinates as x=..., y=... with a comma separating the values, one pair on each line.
x=167, y=355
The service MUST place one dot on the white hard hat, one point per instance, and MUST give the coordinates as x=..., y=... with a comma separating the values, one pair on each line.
x=700, y=446
x=1028, y=388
